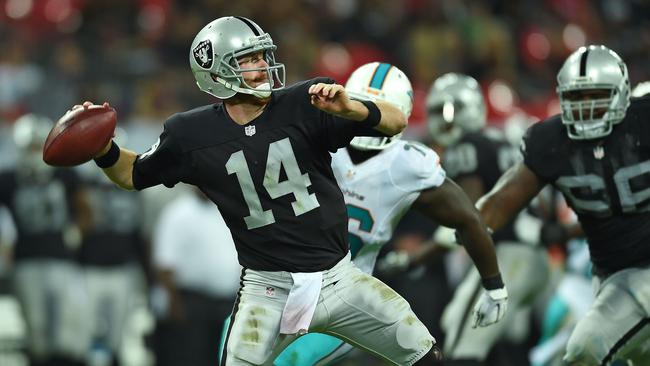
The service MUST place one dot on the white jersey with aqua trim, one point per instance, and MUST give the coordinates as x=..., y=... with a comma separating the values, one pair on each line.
x=380, y=190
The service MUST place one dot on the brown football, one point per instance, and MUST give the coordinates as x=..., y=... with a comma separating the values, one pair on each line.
x=79, y=135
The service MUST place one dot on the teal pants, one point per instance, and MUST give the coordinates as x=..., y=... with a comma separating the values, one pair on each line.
x=305, y=351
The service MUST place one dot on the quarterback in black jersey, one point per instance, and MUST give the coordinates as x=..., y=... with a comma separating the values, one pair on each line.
x=597, y=153
x=49, y=207
x=263, y=157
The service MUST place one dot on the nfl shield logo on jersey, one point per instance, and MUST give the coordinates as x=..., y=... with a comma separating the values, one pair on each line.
x=599, y=152
x=270, y=291
x=249, y=130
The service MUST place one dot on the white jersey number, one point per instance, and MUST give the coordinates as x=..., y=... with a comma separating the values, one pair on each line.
x=597, y=201
x=280, y=155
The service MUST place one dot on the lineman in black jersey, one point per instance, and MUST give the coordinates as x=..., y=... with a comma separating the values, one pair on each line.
x=109, y=258
x=597, y=153
x=475, y=157
x=263, y=157
x=48, y=207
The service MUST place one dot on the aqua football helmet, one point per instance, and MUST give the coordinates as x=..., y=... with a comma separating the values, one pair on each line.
x=214, y=53
x=455, y=106
x=380, y=82
x=588, y=70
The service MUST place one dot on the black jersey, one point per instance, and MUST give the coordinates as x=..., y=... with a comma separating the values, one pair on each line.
x=605, y=181
x=41, y=210
x=487, y=155
x=115, y=235
x=271, y=178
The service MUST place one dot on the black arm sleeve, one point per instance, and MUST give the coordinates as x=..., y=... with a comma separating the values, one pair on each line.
x=163, y=163
x=338, y=132
x=539, y=148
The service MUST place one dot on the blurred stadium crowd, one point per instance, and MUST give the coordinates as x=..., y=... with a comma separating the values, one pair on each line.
x=130, y=285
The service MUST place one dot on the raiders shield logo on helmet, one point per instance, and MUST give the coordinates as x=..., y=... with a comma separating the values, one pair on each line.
x=203, y=54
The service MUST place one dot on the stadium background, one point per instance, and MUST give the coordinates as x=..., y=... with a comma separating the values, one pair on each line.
x=57, y=53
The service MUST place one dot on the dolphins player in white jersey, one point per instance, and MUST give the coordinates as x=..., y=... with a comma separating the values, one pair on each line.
x=381, y=178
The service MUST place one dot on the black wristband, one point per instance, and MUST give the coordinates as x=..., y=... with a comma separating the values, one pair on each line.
x=493, y=283
x=374, y=114
x=110, y=158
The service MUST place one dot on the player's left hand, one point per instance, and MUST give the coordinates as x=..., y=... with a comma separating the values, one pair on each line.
x=491, y=307
x=85, y=105
x=330, y=98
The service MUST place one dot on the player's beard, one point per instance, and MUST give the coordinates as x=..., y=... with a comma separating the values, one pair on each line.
x=261, y=97
x=241, y=98
x=263, y=90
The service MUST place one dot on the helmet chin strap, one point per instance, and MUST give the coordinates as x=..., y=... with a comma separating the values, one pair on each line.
x=261, y=91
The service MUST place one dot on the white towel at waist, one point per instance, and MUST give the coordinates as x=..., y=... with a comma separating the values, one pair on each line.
x=301, y=302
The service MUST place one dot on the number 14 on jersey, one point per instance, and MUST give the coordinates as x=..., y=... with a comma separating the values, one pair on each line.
x=280, y=155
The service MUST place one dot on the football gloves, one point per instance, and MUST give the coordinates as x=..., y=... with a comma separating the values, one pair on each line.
x=491, y=307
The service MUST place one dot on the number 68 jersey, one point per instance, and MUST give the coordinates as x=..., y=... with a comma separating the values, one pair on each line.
x=379, y=191
x=605, y=181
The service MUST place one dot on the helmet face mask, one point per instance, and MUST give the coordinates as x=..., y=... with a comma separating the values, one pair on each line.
x=380, y=82
x=594, y=91
x=216, y=49
x=455, y=106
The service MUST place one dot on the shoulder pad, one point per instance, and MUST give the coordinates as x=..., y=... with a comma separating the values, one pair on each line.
x=416, y=167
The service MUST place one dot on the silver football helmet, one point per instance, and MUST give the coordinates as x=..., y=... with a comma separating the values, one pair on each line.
x=214, y=54
x=593, y=69
x=30, y=132
x=384, y=82
x=455, y=106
